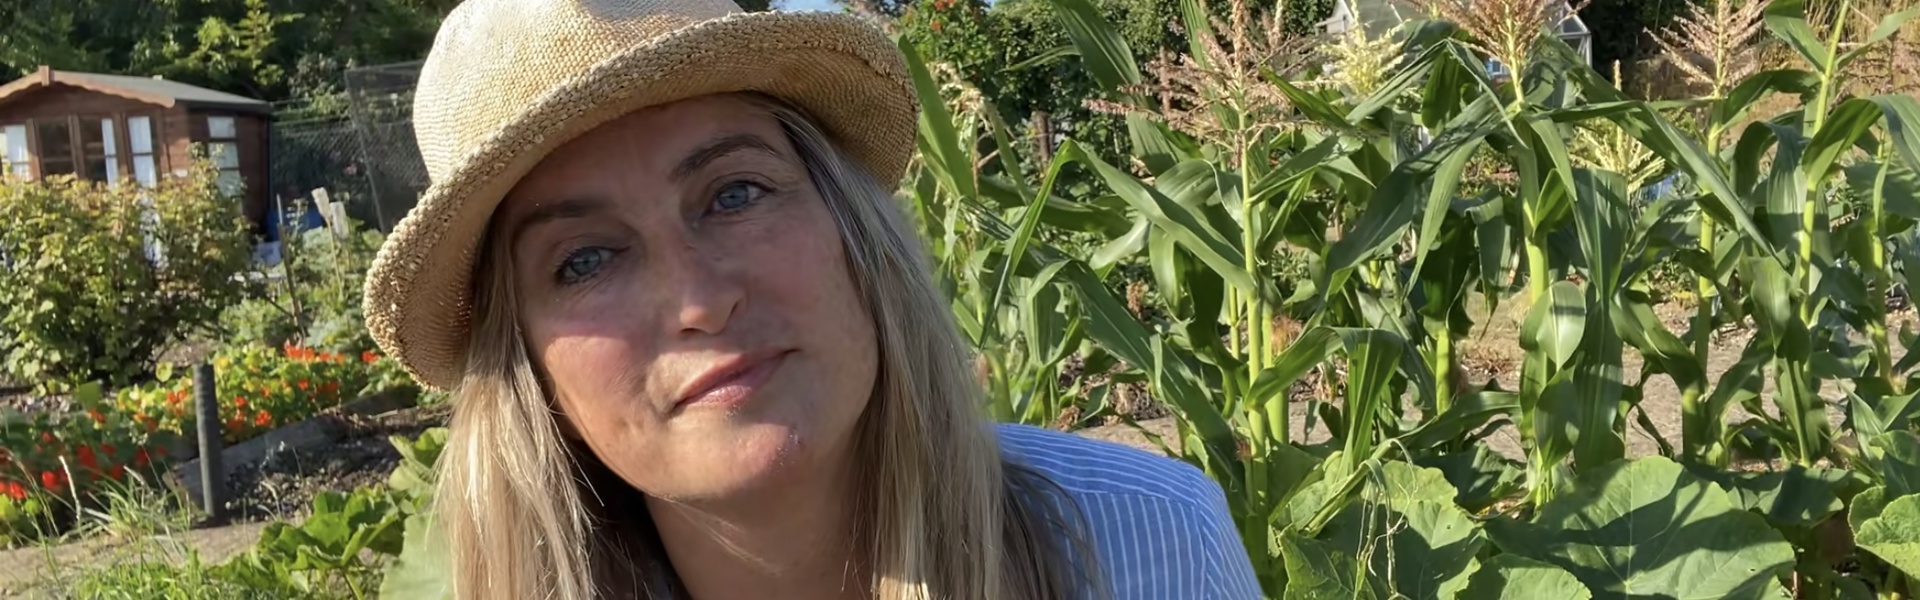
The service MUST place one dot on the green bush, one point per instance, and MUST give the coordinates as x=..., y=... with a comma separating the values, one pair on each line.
x=312, y=298
x=96, y=280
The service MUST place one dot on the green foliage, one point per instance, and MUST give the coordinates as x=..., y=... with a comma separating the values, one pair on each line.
x=312, y=298
x=84, y=296
x=271, y=50
x=1337, y=247
x=258, y=389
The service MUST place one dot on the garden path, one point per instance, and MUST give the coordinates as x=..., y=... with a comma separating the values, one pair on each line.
x=39, y=571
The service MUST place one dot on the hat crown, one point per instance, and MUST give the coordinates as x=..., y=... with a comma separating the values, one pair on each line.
x=492, y=59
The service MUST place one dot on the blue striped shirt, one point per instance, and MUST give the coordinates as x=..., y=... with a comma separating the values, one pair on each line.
x=1159, y=526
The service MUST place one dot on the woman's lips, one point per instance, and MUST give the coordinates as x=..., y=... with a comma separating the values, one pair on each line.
x=732, y=382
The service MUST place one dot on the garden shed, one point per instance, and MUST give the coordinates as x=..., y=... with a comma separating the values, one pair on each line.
x=1380, y=16
x=117, y=128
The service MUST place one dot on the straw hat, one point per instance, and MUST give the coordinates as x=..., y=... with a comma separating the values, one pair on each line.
x=510, y=80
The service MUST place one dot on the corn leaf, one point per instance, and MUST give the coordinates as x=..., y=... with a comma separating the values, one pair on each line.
x=1182, y=223
x=939, y=139
x=1888, y=26
x=1787, y=19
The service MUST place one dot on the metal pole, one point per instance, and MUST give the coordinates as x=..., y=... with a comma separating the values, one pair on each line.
x=206, y=408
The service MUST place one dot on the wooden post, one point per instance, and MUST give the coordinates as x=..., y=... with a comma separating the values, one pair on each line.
x=206, y=408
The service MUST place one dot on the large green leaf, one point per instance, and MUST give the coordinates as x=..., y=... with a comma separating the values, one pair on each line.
x=1896, y=455
x=420, y=572
x=1103, y=52
x=1413, y=541
x=1515, y=577
x=1372, y=359
x=1894, y=535
x=1644, y=124
x=1601, y=221
x=1109, y=324
x=1106, y=57
x=1016, y=248
x=939, y=140
x=1787, y=19
x=1744, y=96
x=1185, y=224
x=1555, y=325
x=1317, y=570
x=1900, y=190
x=1481, y=476
x=1798, y=496
x=1647, y=529
x=1388, y=212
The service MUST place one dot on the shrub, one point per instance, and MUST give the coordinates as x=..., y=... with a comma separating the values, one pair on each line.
x=95, y=280
x=312, y=297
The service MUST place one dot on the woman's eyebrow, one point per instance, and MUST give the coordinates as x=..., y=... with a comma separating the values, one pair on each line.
x=571, y=208
x=717, y=148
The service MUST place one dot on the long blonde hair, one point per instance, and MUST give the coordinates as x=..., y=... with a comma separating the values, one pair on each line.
x=942, y=515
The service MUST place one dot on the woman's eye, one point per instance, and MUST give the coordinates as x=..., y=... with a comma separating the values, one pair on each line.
x=737, y=195
x=582, y=264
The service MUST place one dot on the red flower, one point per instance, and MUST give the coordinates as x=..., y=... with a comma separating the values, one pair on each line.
x=117, y=472
x=263, y=419
x=87, y=458
x=174, y=398
x=50, y=480
x=46, y=437
x=16, y=491
x=330, y=387
x=97, y=416
x=239, y=402
x=109, y=450
x=303, y=385
x=369, y=357
x=140, y=457
x=935, y=26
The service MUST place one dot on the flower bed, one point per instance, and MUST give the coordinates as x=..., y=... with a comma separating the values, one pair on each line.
x=52, y=464
x=258, y=389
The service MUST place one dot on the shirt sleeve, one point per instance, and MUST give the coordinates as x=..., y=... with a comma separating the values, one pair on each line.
x=1164, y=548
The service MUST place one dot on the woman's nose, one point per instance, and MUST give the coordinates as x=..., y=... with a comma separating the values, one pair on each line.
x=706, y=293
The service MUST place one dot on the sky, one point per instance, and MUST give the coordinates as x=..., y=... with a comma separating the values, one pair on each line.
x=797, y=5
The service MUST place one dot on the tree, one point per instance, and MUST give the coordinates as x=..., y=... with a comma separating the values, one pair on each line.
x=266, y=49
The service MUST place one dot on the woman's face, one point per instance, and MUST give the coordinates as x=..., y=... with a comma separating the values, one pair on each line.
x=684, y=289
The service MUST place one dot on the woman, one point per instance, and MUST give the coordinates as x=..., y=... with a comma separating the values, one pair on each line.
x=696, y=349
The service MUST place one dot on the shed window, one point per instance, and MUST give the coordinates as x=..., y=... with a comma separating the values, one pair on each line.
x=56, y=147
x=223, y=147
x=97, y=147
x=140, y=147
x=13, y=151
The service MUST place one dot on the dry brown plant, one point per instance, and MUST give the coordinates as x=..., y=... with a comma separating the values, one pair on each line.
x=1191, y=91
x=1893, y=65
x=1716, y=43
x=1507, y=30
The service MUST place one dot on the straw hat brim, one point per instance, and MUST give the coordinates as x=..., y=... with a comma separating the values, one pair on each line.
x=840, y=70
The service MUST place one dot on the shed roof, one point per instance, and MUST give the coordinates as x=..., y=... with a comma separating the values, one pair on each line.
x=152, y=90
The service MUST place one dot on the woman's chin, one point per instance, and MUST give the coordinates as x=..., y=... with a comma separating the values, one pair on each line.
x=747, y=458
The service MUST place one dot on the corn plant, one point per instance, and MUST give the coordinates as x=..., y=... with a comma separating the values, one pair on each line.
x=1246, y=168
